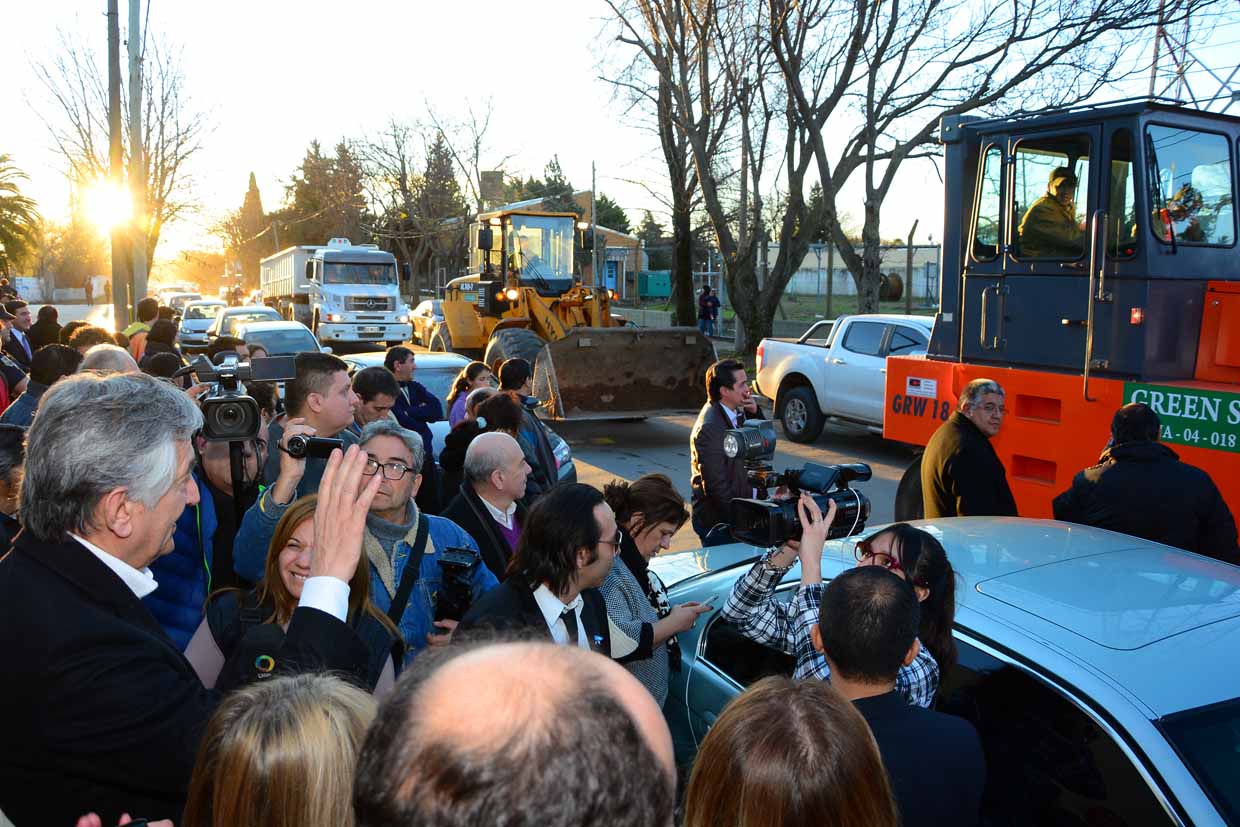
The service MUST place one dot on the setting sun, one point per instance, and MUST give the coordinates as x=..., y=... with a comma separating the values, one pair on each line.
x=107, y=205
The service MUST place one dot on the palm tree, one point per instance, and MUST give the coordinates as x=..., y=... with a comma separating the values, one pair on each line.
x=18, y=216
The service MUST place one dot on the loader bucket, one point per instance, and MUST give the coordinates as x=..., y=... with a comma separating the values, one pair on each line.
x=623, y=372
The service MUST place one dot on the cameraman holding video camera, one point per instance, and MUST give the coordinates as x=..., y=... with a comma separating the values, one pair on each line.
x=717, y=479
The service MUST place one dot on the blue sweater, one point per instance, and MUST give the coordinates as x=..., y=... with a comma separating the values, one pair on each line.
x=416, y=407
x=183, y=573
x=259, y=525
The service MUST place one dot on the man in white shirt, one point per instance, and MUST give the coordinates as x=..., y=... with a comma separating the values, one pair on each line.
x=567, y=546
x=488, y=505
x=103, y=711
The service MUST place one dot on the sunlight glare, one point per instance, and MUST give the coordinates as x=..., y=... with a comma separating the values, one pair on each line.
x=107, y=205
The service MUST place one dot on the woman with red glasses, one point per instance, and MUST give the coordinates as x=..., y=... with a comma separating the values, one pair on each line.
x=909, y=552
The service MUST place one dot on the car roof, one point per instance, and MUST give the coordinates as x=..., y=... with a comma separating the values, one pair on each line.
x=283, y=324
x=217, y=302
x=423, y=359
x=920, y=321
x=250, y=308
x=1155, y=622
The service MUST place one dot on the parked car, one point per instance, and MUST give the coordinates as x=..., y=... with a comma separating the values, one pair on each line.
x=282, y=338
x=1097, y=668
x=196, y=318
x=228, y=319
x=436, y=371
x=424, y=318
x=836, y=370
x=177, y=301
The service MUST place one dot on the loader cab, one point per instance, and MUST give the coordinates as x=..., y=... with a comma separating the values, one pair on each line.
x=533, y=249
x=1086, y=240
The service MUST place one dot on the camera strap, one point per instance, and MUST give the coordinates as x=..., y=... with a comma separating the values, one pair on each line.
x=413, y=570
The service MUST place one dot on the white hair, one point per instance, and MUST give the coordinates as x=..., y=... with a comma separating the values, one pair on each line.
x=96, y=433
x=487, y=454
x=108, y=359
x=390, y=427
x=975, y=390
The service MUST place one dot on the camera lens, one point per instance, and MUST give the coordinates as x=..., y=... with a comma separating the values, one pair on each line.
x=232, y=419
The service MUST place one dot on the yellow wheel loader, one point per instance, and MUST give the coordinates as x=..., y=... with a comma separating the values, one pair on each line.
x=521, y=299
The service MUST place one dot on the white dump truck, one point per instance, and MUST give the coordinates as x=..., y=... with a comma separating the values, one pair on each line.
x=344, y=292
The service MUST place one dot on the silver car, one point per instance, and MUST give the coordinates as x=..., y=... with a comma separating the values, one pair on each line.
x=1100, y=670
x=196, y=318
x=436, y=371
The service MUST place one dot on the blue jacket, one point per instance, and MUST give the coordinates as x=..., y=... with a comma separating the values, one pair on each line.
x=415, y=407
x=259, y=525
x=24, y=407
x=183, y=573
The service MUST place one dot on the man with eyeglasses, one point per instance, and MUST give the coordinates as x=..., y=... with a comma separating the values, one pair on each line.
x=961, y=475
x=402, y=543
x=568, y=544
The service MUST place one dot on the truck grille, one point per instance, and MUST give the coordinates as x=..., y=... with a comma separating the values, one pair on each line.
x=370, y=304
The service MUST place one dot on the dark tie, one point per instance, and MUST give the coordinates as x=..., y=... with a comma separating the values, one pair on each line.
x=740, y=417
x=570, y=622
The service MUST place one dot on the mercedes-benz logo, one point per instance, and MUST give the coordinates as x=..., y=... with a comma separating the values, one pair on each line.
x=371, y=304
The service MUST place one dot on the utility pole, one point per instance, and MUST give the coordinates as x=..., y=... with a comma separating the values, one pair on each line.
x=594, y=281
x=116, y=171
x=137, y=159
x=908, y=270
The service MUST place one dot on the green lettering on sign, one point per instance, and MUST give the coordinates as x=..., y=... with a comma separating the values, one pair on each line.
x=1192, y=416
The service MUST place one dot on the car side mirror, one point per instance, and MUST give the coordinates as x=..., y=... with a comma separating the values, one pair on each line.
x=325, y=349
x=309, y=271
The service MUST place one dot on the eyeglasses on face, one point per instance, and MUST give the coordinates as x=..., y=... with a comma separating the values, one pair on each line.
x=613, y=542
x=391, y=470
x=863, y=552
x=990, y=408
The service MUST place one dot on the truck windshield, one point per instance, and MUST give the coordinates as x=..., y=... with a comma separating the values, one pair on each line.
x=345, y=273
x=541, y=246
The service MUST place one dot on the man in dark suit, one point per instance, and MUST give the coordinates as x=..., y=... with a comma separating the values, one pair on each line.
x=867, y=629
x=488, y=505
x=18, y=346
x=716, y=480
x=567, y=547
x=102, y=711
x=1140, y=487
x=961, y=475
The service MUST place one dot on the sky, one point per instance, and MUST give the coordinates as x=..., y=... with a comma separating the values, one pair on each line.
x=272, y=75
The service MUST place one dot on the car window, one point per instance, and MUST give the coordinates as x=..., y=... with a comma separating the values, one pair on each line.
x=1209, y=741
x=1048, y=763
x=437, y=380
x=819, y=335
x=905, y=340
x=283, y=342
x=865, y=338
x=740, y=658
x=203, y=311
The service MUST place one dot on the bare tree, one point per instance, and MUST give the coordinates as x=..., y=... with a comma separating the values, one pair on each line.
x=77, y=121
x=895, y=69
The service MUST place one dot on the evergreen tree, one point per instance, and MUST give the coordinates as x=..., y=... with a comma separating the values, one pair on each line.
x=555, y=190
x=611, y=215
x=325, y=199
x=658, y=248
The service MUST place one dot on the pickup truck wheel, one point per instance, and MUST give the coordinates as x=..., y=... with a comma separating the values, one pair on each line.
x=909, y=503
x=799, y=412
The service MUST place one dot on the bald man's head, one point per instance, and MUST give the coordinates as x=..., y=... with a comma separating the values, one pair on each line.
x=495, y=463
x=525, y=733
x=109, y=359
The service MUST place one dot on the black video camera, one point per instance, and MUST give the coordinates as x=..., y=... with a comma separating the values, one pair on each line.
x=301, y=446
x=228, y=414
x=771, y=522
x=456, y=591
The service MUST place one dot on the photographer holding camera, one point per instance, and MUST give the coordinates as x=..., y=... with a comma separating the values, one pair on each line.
x=717, y=479
x=419, y=564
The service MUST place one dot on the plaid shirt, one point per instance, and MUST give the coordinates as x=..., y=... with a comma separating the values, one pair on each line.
x=753, y=609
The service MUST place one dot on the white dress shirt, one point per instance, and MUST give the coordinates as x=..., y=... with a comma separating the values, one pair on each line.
x=504, y=518
x=327, y=594
x=552, y=607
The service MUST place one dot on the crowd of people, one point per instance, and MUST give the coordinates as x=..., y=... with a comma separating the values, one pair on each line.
x=213, y=632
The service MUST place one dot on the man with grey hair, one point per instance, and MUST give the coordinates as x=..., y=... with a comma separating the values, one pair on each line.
x=108, y=359
x=488, y=505
x=102, y=711
x=403, y=544
x=961, y=475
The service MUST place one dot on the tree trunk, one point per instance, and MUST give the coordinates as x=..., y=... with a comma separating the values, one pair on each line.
x=871, y=262
x=682, y=263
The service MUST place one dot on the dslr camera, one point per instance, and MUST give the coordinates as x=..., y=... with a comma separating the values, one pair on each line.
x=228, y=414
x=772, y=522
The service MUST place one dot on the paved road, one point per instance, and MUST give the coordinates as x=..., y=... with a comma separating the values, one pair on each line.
x=604, y=451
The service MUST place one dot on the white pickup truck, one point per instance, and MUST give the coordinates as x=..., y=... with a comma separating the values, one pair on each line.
x=836, y=370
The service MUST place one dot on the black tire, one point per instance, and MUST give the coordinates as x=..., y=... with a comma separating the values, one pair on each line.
x=798, y=410
x=513, y=343
x=909, y=502
x=441, y=340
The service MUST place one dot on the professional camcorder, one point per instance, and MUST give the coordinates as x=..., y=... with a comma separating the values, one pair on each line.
x=228, y=414
x=771, y=522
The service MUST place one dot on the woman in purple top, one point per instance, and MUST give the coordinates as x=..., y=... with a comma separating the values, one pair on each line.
x=472, y=376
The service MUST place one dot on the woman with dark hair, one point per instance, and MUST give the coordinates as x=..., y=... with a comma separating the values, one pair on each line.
x=644, y=624
x=221, y=651
x=486, y=410
x=909, y=552
x=789, y=754
x=161, y=338
x=46, y=329
x=473, y=376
